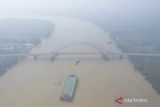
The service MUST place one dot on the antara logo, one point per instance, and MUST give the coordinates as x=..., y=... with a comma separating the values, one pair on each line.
x=122, y=100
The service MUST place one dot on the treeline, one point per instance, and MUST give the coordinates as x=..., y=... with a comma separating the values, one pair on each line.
x=150, y=68
x=143, y=41
x=7, y=62
x=16, y=34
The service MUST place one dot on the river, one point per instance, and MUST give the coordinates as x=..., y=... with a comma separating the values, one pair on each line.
x=39, y=83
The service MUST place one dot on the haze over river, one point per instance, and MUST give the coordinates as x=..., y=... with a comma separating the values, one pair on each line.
x=39, y=83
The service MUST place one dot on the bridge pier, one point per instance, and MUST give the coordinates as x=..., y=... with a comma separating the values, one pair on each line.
x=53, y=57
x=105, y=57
x=35, y=57
x=121, y=57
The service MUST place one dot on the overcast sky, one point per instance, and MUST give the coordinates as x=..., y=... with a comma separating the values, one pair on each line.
x=61, y=5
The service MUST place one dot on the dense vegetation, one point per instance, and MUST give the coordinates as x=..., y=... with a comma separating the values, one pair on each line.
x=143, y=41
x=6, y=63
x=16, y=34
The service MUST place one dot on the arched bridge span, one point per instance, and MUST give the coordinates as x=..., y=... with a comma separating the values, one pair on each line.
x=99, y=49
x=59, y=51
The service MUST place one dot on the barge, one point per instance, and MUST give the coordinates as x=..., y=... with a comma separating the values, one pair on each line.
x=69, y=88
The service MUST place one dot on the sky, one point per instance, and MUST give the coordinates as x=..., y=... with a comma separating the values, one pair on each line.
x=114, y=11
x=67, y=5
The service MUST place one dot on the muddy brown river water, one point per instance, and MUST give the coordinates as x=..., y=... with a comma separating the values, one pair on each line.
x=39, y=83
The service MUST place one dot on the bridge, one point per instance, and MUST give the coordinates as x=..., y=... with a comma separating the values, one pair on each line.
x=59, y=51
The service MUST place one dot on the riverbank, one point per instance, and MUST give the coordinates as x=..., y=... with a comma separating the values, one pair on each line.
x=31, y=83
x=20, y=36
x=142, y=41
